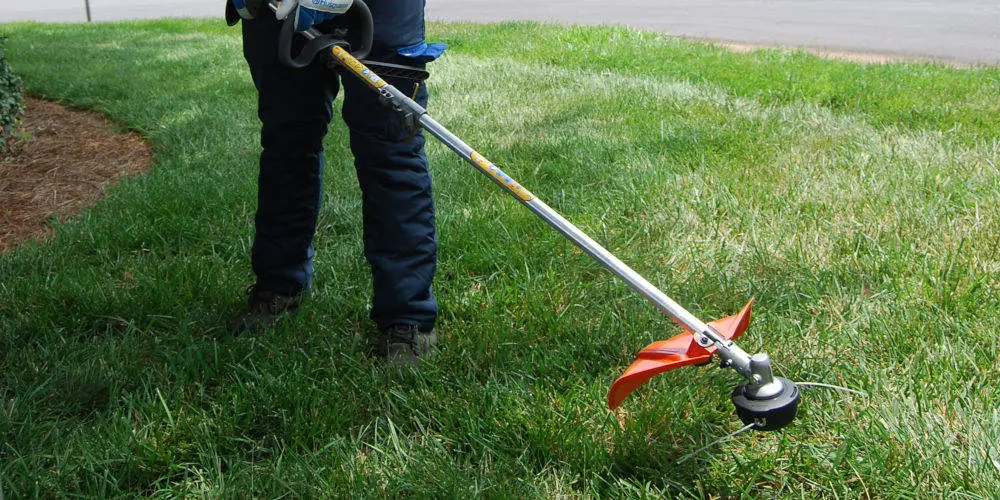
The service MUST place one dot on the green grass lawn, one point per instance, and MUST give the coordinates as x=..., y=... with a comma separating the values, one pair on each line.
x=859, y=204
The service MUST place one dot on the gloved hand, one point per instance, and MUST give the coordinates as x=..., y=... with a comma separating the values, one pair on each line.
x=309, y=13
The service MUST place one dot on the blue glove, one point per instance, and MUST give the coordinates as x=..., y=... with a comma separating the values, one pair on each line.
x=309, y=13
x=422, y=51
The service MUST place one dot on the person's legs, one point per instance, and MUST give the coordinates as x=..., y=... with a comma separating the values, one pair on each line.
x=294, y=107
x=399, y=231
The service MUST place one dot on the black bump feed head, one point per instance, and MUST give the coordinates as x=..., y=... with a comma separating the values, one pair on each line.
x=768, y=414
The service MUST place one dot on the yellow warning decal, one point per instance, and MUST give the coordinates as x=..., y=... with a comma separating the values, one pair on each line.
x=494, y=172
x=359, y=69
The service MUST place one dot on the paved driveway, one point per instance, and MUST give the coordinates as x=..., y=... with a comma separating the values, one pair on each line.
x=962, y=30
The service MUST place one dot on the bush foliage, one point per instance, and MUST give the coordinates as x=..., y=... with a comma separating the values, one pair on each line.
x=11, y=105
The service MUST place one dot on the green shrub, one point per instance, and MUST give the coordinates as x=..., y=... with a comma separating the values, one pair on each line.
x=11, y=105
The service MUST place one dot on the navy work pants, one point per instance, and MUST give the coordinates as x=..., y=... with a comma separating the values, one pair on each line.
x=295, y=109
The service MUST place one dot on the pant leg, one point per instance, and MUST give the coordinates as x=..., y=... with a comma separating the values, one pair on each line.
x=294, y=107
x=398, y=207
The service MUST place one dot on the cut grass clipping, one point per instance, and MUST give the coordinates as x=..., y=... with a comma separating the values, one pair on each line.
x=858, y=204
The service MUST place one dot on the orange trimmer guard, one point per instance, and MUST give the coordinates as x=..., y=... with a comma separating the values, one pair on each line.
x=666, y=355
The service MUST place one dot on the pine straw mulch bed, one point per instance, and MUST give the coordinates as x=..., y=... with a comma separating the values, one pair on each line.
x=63, y=161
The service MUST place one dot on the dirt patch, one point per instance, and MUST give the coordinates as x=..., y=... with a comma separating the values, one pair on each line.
x=65, y=162
x=842, y=55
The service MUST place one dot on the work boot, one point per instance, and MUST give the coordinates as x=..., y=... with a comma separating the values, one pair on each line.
x=403, y=345
x=264, y=309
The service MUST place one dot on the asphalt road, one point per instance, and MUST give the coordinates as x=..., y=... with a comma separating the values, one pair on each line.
x=960, y=30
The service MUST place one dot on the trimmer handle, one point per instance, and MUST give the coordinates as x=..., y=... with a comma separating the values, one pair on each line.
x=360, y=16
x=363, y=17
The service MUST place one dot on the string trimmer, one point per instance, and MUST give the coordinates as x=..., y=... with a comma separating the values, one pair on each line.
x=763, y=401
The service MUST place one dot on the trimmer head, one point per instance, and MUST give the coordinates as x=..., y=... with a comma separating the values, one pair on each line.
x=767, y=414
x=764, y=402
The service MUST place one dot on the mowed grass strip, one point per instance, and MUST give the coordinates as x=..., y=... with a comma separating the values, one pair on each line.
x=858, y=204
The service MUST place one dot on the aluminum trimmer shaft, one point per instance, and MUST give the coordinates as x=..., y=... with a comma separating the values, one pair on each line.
x=756, y=369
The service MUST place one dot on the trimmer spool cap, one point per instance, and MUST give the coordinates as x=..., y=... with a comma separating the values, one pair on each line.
x=768, y=414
